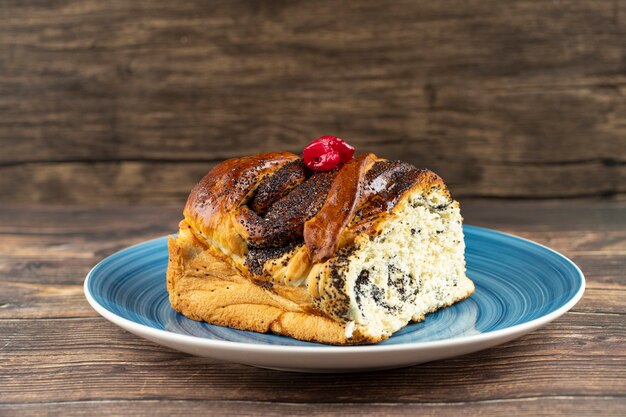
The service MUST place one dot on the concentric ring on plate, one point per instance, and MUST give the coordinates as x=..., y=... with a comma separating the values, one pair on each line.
x=517, y=281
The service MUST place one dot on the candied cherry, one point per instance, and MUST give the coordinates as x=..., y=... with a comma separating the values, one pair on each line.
x=326, y=152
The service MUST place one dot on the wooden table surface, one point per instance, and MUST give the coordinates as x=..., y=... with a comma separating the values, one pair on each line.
x=58, y=357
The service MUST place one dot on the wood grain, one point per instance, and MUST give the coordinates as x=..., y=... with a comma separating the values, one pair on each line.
x=82, y=364
x=58, y=357
x=544, y=406
x=119, y=101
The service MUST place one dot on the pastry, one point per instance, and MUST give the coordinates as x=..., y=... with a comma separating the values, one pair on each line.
x=329, y=248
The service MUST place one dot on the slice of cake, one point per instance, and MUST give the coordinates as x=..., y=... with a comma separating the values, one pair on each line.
x=332, y=249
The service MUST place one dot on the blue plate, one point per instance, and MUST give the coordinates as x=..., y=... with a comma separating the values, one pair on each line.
x=520, y=285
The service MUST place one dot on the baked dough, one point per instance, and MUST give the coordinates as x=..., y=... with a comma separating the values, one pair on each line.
x=336, y=278
x=203, y=287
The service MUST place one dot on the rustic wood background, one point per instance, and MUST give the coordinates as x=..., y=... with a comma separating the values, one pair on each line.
x=119, y=100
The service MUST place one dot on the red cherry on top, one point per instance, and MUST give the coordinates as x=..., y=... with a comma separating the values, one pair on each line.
x=326, y=152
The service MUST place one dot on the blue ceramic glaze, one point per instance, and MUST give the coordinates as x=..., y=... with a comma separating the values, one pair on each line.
x=516, y=280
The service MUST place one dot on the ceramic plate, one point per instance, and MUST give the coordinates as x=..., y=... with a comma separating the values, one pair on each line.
x=520, y=286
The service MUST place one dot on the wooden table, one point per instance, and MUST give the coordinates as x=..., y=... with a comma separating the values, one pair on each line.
x=58, y=357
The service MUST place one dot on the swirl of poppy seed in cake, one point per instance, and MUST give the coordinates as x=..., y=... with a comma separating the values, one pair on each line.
x=277, y=186
x=284, y=220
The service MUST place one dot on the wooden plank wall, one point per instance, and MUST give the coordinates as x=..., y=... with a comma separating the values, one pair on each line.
x=134, y=101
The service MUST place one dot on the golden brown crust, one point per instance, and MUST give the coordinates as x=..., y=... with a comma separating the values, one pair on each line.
x=219, y=208
x=211, y=202
x=226, y=185
x=323, y=231
x=215, y=206
x=212, y=276
x=203, y=287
